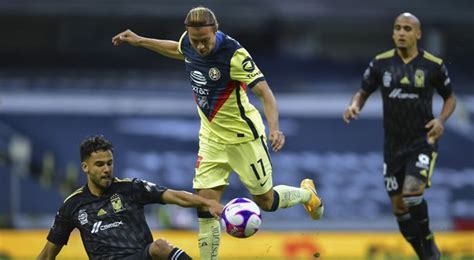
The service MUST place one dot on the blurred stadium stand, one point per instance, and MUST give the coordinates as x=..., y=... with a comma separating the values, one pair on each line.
x=61, y=80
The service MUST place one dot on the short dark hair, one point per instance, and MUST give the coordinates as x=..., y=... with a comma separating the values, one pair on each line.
x=200, y=17
x=93, y=144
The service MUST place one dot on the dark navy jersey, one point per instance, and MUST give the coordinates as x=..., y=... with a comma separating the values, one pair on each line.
x=407, y=94
x=112, y=226
x=220, y=81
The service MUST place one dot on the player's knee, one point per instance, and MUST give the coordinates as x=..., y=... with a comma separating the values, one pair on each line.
x=399, y=208
x=409, y=190
x=160, y=249
x=412, y=200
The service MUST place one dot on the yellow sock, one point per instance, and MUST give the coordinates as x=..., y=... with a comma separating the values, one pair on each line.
x=290, y=196
x=209, y=238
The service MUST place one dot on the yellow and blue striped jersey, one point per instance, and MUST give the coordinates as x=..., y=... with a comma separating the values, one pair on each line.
x=220, y=82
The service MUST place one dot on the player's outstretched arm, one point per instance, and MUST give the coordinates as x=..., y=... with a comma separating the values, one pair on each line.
x=263, y=91
x=164, y=47
x=357, y=103
x=50, y=251
x=190, y=200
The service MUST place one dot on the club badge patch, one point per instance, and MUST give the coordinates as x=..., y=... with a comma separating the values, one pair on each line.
x=214, y=74
x=419, y=78
x=116, y=203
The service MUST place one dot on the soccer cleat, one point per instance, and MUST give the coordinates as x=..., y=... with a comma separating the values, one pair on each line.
x=313, y=206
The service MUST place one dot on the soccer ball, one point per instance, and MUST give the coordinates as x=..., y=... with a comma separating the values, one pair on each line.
x=241, y=218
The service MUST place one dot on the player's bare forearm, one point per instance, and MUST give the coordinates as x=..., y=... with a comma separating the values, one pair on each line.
x=265, y=94
x=355, y=106
x=185, y=199
x=50, y=251
x=359, y=99
x=166, y=48
x=276, y=138
x=448, y=108
x=436, y=126
x=189, y=200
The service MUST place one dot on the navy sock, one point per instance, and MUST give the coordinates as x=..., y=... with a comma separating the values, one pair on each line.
x=276, y=201
x=419, y=214
x=410, y=231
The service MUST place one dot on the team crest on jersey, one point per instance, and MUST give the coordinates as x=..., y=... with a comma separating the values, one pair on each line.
x=387, y=79
x=82, y=217
x=214, y=73
x=117, y=204
x=419, y=78
x=248, y=64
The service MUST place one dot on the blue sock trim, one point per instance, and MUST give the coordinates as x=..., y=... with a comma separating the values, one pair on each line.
x=204, y=214
x=276, y=201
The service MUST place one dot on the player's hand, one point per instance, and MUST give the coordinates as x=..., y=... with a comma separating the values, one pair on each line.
x=215, y=208
x=126, y=36
x=277, y=140
x=351, y=112
x=436, y=130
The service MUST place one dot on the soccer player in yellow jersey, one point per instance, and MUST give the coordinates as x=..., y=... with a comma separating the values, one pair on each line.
x=232, y=134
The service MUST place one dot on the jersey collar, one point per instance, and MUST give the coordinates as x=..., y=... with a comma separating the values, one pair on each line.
x=105, y=193
x=219, y=40
x=420, y=54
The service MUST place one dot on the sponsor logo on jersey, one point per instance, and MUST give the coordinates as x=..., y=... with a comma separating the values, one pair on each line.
x=405, y=81
x=397, y=93
x=101, y=212
x=367, y=73
x=148, y=185
x=253, y=75
x=445, y=72
x=200, y=91
x=197, y=78
x=248, y=64
x=214, y=73
x=99, y=227
x=198, y=81
x=53, y=225
x=419, y=78
x=116, y=203
x=82, y=217
x=447, y=81
x=387, y=79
